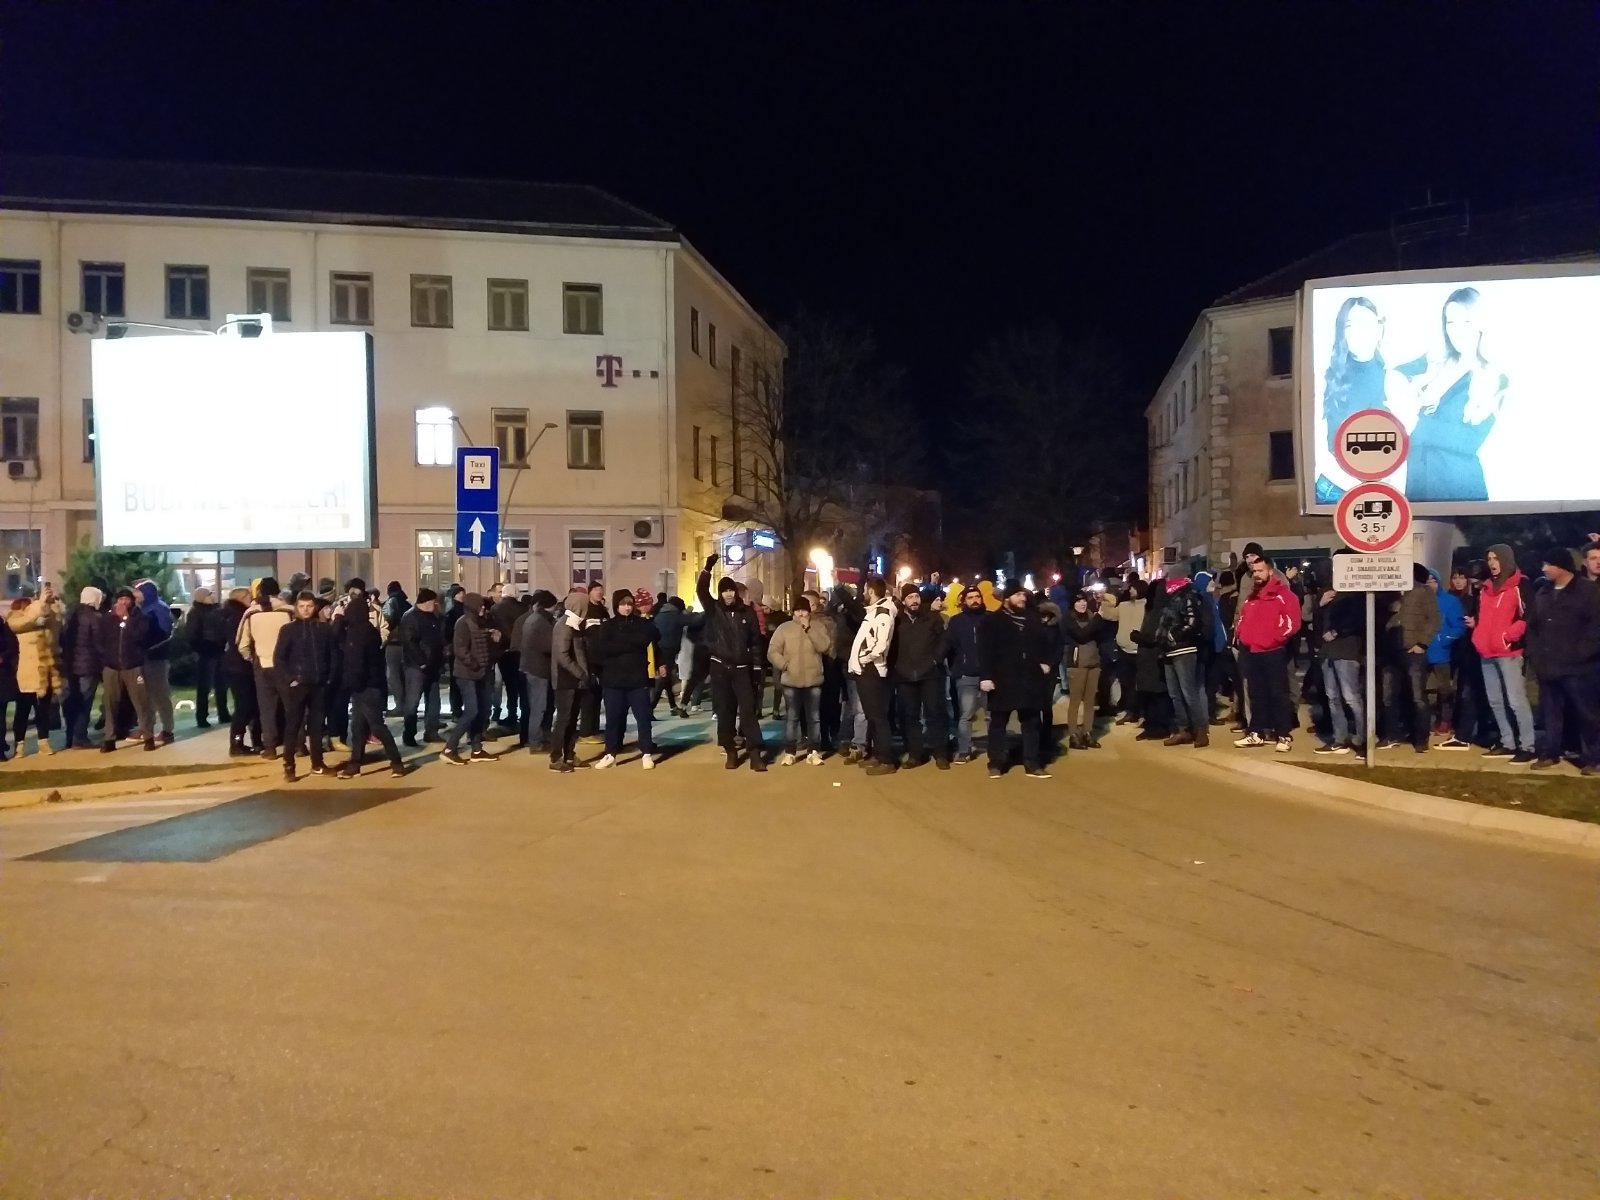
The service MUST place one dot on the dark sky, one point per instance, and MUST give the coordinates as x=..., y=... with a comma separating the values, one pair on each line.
x=941, y=171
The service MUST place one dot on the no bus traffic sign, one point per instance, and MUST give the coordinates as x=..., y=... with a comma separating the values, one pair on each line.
x=1371, y=444
x=1372, y=518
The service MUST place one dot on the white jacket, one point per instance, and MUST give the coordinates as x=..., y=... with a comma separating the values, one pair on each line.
x=871, y=647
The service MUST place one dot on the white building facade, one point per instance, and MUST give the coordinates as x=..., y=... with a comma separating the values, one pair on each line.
x=560, y=324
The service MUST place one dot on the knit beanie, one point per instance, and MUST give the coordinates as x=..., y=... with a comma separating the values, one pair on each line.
x=426, y=594
x=1011, y=589
x=1560, y=556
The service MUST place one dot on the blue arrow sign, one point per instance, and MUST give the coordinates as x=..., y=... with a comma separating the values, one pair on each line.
x=478, y=479
x=477, y=535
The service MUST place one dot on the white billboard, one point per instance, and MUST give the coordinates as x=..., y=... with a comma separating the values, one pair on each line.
x=235, y=443
x=1493, y=372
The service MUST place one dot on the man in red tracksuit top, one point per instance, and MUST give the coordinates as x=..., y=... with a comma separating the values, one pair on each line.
x=1267, y=623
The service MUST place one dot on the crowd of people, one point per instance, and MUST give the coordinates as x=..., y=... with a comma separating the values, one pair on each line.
x=885, y=678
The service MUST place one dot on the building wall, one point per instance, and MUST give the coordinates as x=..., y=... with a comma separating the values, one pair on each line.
x=466, y=368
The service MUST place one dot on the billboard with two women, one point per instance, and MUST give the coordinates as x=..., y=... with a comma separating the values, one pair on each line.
x=1493, y=371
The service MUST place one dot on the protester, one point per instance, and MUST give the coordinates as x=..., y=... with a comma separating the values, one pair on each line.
x=1214, y=658
x=1497, y=633
x=1339, y=631
x=1268, y=619
x=844, y=725
x=1054, y=652
x=669, y=620
x=734, y=641
x=624, y=651
x=1469, y=715
x=364, y=667
x=503, y=616
x=8, y=680
x=1150, y=676
x=123, y=638
x=961, y=639
x=420, y=640
x=81, y=665
x=257, y=641
x=569, y=674
x=827, y=731
x=239, y=676
x=1016, y=671
x=396, y=605
x=535, y=646
x=205, y=628
x=472, y=660
x=452, y=614
x=1130, y=618
x=1412, y=625
x=920, y=683
x=868, y=666
x=1225, y=669
x=1179, y=634
x=1564, y=649
x=1441, y=652
x=158, y=656
x=798, y=649
x=37, y=624
x=589, y=700
x=1081, y=630
x=304, y=670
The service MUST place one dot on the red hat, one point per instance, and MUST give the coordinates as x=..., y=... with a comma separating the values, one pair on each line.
x=644, y=598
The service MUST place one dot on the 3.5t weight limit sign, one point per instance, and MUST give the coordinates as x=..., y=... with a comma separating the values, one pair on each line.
x=1372, y=518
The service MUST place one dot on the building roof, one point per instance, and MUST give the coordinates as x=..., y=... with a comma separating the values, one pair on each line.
x=82, y=185
x=1444, y=236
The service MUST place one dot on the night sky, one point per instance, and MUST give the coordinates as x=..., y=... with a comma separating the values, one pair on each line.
x=941, y=175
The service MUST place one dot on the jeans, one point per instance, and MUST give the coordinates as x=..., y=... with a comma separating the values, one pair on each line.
x=1508, y=700
x=1189, y=711
x=536, y=700
x=79, y=702
x=305, y=717
x=208, y=680
x=924, y=707
x=801, y=703
x=116, y=683
x=618, y=703
x=1266, y=678
x=968, y=696
x=853, y=718
x=1582, y=692
x=1411, y=679
x=366, y=716
x=733, y=694
x=873, y=690
x=394, y=668
x=421, y=685
x=1343, y=685
x=468, y=722
x=999, y=748
x=158, y=683
x=1082, y=683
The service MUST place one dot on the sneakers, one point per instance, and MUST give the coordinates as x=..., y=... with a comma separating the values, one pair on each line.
x=649, y=762
x=962, y=760
x=881, y=768
x=786, y=760
x=482, y=756
x=1250, y=741
x=1523, y=756
x=814, y=758
x=324, y=769
x=995, y=773
x=561, y=766
x=1285, y=744
x=604, y=761
x=400, y=769
x=1454, y=743
x=1498, y=751
x=1544, y=764
x=1331, y=749
x=1039, y=773
x=347, y=772
x=454, y=759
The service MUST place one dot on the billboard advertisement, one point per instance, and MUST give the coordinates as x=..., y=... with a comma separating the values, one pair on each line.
x=1492, y=374
x=236, y=443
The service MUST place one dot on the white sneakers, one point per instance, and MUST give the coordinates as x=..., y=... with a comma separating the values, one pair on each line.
x=814, y=758
x=1250, y=740
x=649, y=762
x=600, y=764
x=1285, y=744
x=786, y=760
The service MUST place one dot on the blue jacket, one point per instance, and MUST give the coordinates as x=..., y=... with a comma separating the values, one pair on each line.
x=1219, y=629
x=962, y=639
x=1452, y=624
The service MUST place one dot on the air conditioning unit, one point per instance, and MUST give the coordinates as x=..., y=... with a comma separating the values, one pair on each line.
x=22, y=468
x=1169, y=555
x=648, y=531
x=84, y=322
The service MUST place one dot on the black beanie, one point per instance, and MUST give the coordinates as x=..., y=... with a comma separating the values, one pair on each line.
x=426, y=594
x=1560, y=556
x=728, y=584
x=1419, y=574
x=1011, y=589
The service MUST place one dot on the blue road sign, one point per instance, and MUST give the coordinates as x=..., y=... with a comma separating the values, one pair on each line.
x=478, y=479
x=477, y=534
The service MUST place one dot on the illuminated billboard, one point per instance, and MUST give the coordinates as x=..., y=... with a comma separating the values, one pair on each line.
x=236, y=443
x=1492, y=372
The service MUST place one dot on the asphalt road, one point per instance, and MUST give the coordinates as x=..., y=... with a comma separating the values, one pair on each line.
x=1129, y=981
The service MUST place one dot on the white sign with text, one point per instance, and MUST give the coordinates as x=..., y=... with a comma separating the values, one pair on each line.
x=1390, y=572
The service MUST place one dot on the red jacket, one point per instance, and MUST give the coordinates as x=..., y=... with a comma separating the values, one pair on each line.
x=1502, y=618
x=1270, y=618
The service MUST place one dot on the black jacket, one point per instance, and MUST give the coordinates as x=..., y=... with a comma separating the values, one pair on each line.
x=206, y=629
x=536, y=649
x=919, y=647
x=732, y=634
x=961, y=643
x=503, y=614
x=233, y=663
x=422, y=640
x=122, y=640
x=618, y=651
x=1564, y=629
x=361, y=665
x=1345, y=616
x=1178, y=630
x=395, y=608
x=472, y=653
x=305, y=652
x=1013, y=651
x=80, y=643
x=1083, y=635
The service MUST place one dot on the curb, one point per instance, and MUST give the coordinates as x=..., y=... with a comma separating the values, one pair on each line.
x=1560, y=831
x=150, y=785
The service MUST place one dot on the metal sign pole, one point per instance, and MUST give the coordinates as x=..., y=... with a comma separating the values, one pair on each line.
x=1372, y=667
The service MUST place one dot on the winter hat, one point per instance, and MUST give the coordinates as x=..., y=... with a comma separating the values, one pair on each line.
x=426, y=594
x=643, y=598
x=355, y=585
x=92, y=596
x=969, y=590
x=1507, y=557
x=910, y=589
x=620, y=597
x=395, y=589
x=1253, y=548
x=1560, y=556
x=727, y=585
x=325, y=586
x=1178, y=570
x=265, y=586
x=472, y=602
x=201, y=596
x=801, y=604
x=1011, y=589
x=1419, y=574
x=298, y=582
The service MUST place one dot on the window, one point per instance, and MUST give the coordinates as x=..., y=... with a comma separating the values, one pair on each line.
x=511, y=435
x=586, y=548
x=19, y=428
x=1280, y=454
x=581, y=308
x=430, y=301
x=267, y=290
x=735, y=365
x=716, y=471
x=19, y=555
x=352, y=298
x=1280, y=351
x=697, y=452
x=1194, y=385
x=711, y=344
x=694, y=330
x=516, y=560
x=19, y=285
x=436, y=559
x=1183, y=401
x=586, y=441
x=353, y=564
x=189, y=293
x=436, y=437
x=104, y=287
x=508, y=304
x=1183, y=487
x=222, y=570
x=88, y=430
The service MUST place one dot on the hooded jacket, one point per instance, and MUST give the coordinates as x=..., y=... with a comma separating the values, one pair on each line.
x=537, y=632
x=1452, y=624
x=233, y=610
x=1269, y=617
x=38, y=626
x=952, y=601
x=621, y=650
x=669, y=624
x=1502, y=610
x=361, y=663
x=1219, y=630
x=991, y=602
x=159, y=616
x=870, y=650
x=1564, y=629
x=569, y=657
x=80, y=641
x=732, y=632
x=796, y=652
x=204, y=626
x=471, y=653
